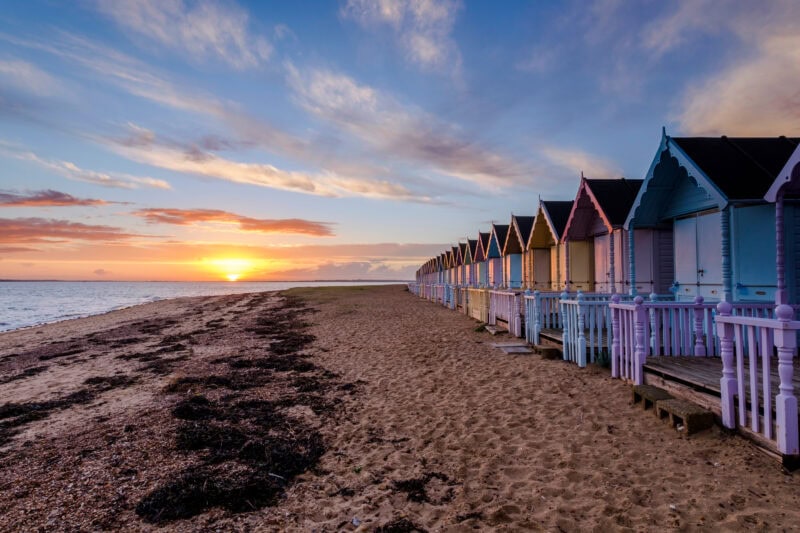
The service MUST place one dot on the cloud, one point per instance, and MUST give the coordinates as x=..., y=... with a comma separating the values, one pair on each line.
x=577, y=161
x=200, y=30
x=101, y=272
x=72, y=171
x=187, y=217
x=46, y=198
x=41, y=230
x=422, y=28
x=146, y=148
x=28, y=77
x=403, y=132
x=351, y=270
x=16, y=249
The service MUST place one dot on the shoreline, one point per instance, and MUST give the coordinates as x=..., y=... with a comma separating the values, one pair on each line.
x=421, y=423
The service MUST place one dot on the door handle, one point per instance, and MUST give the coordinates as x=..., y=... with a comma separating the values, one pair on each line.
x=701, y=271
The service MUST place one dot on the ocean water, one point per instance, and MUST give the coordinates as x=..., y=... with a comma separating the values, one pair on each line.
x=28, y=303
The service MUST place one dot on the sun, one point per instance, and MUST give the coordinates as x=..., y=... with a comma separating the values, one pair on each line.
x=232, y=268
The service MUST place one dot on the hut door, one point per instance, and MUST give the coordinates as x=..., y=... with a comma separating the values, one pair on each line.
x=541, y=267
x=601, y=263
x=698, y=257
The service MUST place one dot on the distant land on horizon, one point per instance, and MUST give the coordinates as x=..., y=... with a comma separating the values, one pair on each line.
x=211, y=281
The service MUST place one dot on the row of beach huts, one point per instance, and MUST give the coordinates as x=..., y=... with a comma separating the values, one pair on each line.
x=688, y=279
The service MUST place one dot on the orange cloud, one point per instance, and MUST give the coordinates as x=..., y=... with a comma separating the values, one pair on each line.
x=187, y=217
x=46, y=198
x=41, y=230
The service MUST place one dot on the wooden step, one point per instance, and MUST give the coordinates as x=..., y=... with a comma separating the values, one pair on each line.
x=685, y=416
x=548, y=352
x=648, y=395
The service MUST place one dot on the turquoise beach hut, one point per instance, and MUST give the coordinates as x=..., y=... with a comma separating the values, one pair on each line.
x=708, y=193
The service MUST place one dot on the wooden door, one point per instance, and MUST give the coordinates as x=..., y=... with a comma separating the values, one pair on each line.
x=542, y=268
x=581, y=265
x=709, y=256
x=602, y=267
x=685, y=237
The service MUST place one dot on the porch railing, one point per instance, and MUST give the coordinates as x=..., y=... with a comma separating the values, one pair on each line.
x=748, y=343
x=643, y=328
x=506, y=306
x=478, y=304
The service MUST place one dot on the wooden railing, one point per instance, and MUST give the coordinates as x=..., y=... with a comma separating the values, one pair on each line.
x=506, y=306
x=478, y=304
x=748, y=343
x=586, y=326
x=643, y=328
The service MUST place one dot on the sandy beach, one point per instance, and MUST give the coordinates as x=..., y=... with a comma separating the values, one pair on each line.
x=345, y=409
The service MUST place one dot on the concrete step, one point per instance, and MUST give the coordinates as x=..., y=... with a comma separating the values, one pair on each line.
x=648, y=395
x=548, y=352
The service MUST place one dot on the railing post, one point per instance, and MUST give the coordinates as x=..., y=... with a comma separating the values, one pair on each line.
x=581, y=332
x=564, y=325
x=537, y=316
x=653, y=325
x=615, y=341
x=786, y=402
x=639, y=316
x=727, y=383
x=699, y=337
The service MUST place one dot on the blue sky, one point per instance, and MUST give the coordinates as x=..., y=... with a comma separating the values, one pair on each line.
x=353, y=139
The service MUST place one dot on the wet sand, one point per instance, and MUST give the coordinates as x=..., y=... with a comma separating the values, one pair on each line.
x=388, y=412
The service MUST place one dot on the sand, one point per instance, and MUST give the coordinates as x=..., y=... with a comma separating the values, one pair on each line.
x=423, y=423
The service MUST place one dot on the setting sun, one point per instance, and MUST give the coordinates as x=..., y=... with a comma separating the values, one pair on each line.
x=232, y=269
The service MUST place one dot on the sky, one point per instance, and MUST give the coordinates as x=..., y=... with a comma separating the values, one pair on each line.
x=351, y=139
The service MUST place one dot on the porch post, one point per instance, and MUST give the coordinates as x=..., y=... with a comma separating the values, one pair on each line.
x=639, y=317
x=632, y=260
x=699, y=337
x=780, y=294
x=537, y=316
x=611, y=275
x=785, y=401
x=581, y=333
x=615, y=342
x=727, y=383
x=727, y=272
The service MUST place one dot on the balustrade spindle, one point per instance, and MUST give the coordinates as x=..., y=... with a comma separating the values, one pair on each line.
x=699, y=336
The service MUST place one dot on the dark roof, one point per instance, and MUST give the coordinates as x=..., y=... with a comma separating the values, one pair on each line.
x=559, y=214
x=615, y=197
x=743, y=168
x=484, y=237
x=525, y=225
x=473, y=247
x=501, y=230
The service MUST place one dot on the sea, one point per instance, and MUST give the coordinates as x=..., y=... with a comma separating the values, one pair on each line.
x=29, y=303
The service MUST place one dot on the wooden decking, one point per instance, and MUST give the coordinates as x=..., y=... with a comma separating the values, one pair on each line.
x=703, y=373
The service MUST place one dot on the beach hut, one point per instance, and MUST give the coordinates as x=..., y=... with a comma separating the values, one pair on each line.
x=461, y=261
x=596, y=221
x=514, y=251
x=494, y=256
x=482, y=274
x=472, y=275
x=708, y=194
x=544, y=245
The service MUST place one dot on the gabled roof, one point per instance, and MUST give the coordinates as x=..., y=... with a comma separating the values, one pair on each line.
x=462, y=253
x=472, y=249
x=518, y=234
x=789, y=173
x=609, y=199
x=454, y=256
x=483, y=246
x=552, y=215
x=743, y=168
x=727, y=169
x=499, y=233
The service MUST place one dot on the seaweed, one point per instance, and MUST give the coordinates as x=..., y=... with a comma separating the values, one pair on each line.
x=28, y=372
x=400, y=525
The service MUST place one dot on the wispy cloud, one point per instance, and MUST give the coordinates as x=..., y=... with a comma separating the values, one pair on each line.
x=188, y=217
x=16, y=249
x=401, y=132
x=28, y=77
x=146, y=148
x=423, y=28
x=577, y=161
x=43, y=230
x=756, y=94
x=72, y=171
x=46, y=198
x=200, y=30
